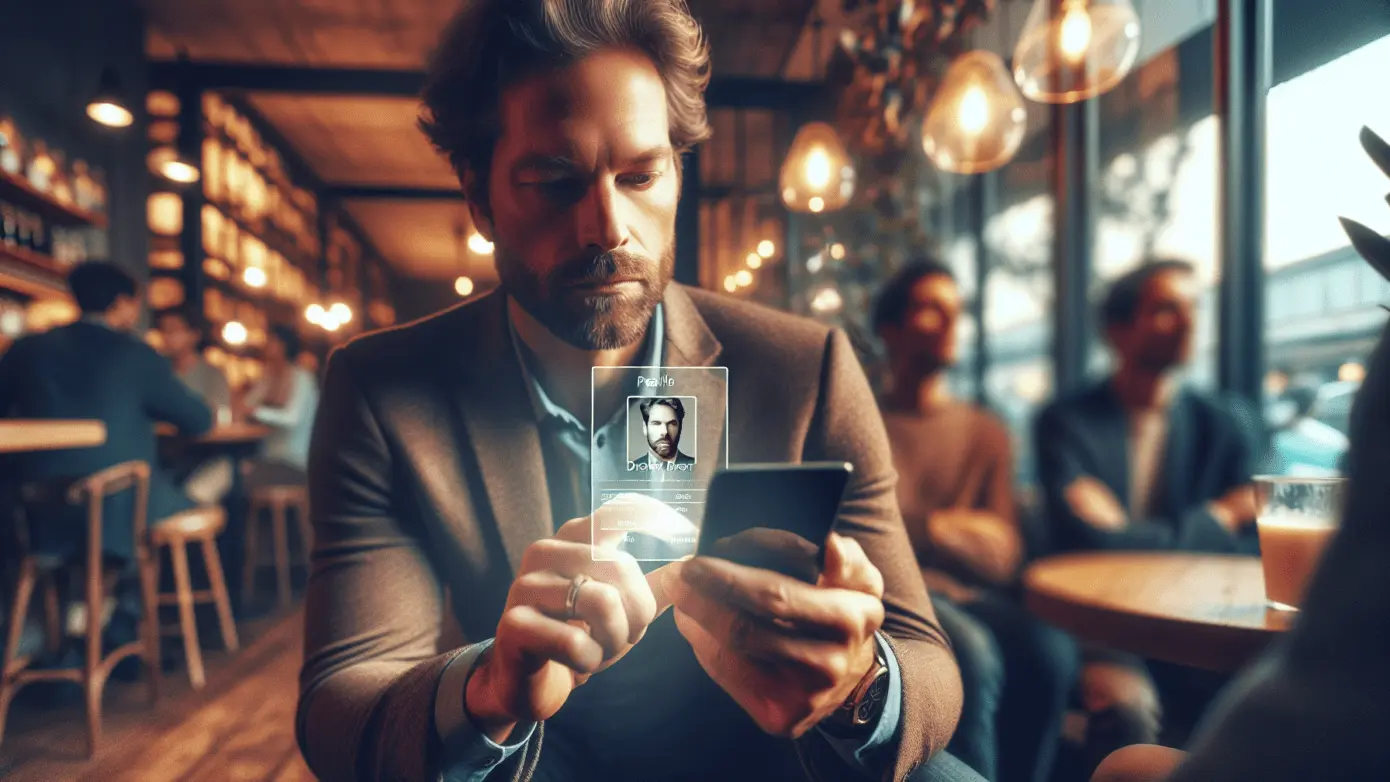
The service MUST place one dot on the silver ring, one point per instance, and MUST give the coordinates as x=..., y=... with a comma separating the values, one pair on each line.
x=572, y=599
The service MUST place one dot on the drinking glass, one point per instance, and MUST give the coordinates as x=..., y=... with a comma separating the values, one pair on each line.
x=1295, y=517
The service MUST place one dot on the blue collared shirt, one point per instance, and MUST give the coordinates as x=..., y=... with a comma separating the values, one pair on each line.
x=570, y=456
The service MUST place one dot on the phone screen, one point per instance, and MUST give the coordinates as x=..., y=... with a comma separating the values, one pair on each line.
x=774, y=516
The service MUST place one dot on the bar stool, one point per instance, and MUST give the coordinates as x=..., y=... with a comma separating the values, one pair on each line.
x=199, y=525
x=278, y=500
x=98, y=583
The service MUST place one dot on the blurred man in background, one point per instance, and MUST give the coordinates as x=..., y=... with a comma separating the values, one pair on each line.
x=955, y=487
x=1136, y=461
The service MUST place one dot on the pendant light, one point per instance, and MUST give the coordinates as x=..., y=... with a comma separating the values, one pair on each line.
x=463, y=286
x=817, y=175
x=1071, y=50
x=977, y=121
x=111, y=107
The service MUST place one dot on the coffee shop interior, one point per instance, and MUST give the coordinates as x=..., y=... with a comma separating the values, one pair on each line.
x=257, y=168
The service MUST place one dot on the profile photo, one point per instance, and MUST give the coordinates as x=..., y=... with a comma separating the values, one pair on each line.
x=661, y=435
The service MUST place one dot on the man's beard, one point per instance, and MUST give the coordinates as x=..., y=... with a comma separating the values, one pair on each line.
x=589, y=321
x=670, y=442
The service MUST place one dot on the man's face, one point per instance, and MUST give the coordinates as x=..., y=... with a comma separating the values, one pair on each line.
x=663, y=431
x=124, y=312
x=179, y=338
x=1160, y=337
x=582, y=197
x=927, y=336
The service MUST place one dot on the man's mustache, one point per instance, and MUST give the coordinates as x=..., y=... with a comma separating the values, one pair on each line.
x=599, y=267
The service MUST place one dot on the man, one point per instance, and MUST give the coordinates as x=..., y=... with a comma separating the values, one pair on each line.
x=449, y=454
x=663, y=419
x=96, y=369
x=955, y=476
x=284, y=399
x=209, y=481
x=1136, y=462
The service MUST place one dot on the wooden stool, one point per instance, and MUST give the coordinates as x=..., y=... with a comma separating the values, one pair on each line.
x=276, y=499
x=199, y=525
x=34, y=570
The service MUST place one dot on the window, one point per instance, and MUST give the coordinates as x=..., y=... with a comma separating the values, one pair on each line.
x=1019, y=292
x=1158, y=185
x=1323, y=313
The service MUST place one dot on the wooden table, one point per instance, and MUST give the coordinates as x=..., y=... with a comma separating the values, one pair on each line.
x=226, y=434
x=1201, y=610
x=49, y=434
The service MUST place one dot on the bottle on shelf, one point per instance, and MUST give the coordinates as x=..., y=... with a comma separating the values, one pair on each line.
x=83, y=187
x=11, y=148
x=41, y=168
x=9, y=224
x=61, y=184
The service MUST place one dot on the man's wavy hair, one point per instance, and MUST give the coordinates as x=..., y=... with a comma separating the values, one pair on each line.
x=492, y=44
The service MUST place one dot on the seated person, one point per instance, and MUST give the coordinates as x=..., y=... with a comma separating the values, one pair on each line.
x=955, y=477
x=208, y=481
x=285, y=399
x=97, y=369
x=1137, y=462
x=434, y=474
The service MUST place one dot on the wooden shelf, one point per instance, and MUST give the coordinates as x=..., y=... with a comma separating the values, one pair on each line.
x=32, y=274
x=19, y=192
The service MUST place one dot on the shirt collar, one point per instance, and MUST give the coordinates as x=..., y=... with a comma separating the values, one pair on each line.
x=541, y=403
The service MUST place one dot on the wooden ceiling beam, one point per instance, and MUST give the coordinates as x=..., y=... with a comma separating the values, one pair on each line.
x=724, y=91
x=393, y=193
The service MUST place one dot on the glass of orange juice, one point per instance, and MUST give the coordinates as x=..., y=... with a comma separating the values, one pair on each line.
x=1296, y=517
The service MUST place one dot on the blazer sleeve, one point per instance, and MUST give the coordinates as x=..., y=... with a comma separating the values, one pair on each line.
x=847, y=426
x=372, y=612
x=1058, y=439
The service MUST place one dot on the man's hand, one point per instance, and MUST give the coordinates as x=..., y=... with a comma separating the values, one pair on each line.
x=540, y=654
x=1095, y=504
x=1236, y=509
x=788, y=652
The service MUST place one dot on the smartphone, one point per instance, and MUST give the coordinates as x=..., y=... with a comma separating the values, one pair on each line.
x=774, y=516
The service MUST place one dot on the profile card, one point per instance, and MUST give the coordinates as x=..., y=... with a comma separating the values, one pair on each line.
x=652, y=462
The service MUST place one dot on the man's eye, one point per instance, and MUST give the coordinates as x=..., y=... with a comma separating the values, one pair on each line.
x=639, y=181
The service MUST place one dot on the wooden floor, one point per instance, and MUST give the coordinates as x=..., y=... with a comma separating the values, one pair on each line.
x=240, y=728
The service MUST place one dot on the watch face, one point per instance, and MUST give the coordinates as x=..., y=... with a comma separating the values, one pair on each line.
x=872, y=703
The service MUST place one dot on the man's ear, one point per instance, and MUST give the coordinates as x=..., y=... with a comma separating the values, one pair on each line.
x=477, y=209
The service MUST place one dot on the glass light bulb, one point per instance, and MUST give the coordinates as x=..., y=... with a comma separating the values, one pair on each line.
x=234, y=333
x=463, y=286
x=817, y=175
x=315, y=313
x=479, y=245
x=743, y=277
x=1071, y=50
x=976, y=121
x=766, y=248
x=112, y=115
x=341, y=312
x=730, y=284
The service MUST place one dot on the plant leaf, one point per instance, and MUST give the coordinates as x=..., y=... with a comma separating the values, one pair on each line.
x=1371, y=245
x=1376, y=147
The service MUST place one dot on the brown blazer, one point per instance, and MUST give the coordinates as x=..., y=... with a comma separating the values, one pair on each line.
x=426, y=474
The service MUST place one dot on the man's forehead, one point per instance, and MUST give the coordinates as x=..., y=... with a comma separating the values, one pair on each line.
x=1171, y=283
x=611, y=104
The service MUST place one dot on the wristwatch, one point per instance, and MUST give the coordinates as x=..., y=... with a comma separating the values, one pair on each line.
x=861, y=710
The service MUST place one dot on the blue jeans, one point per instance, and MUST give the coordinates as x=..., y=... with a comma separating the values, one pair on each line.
x=1018, y=674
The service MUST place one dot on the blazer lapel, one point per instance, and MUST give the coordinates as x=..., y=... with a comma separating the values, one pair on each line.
x=501, y=430
x=690, y=343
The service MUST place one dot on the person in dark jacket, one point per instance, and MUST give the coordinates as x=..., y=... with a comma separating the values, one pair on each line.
x=96, y=368
x=1138, y=462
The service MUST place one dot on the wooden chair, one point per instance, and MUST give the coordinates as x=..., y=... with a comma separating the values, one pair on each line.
x=35, y=570
x=199, y=525
x=278, y=500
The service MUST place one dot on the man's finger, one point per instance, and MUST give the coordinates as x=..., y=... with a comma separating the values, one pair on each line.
x=570, y=560
x=832, y=614
x=848, y=567
x=667, y=585
x=597, y=604
x=539, y=636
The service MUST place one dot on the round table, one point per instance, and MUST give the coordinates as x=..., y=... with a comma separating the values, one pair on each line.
x=1202, y=610
x=47, y=434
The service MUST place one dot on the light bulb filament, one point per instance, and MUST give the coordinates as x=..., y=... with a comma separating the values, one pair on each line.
x=817, y=169
x=974, y=110
x=1075, y=32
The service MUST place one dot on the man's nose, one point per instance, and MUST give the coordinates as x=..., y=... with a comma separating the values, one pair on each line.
x=599, y=216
